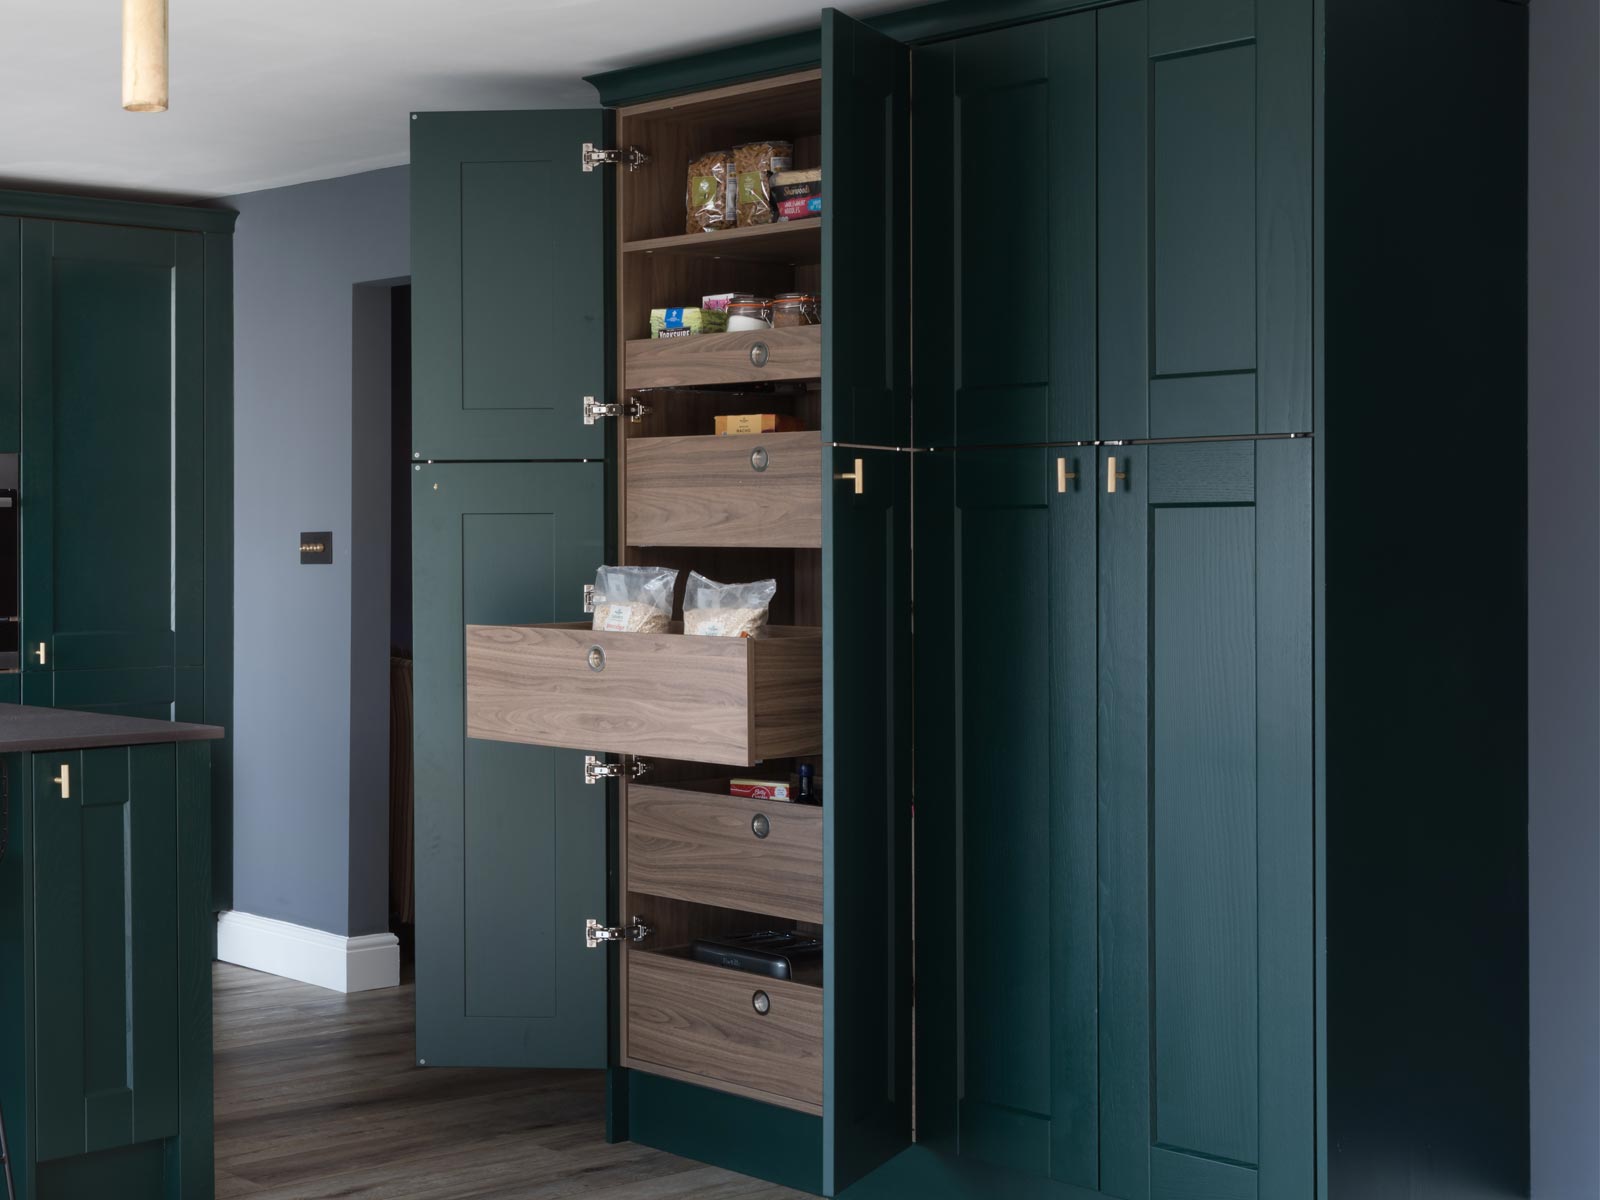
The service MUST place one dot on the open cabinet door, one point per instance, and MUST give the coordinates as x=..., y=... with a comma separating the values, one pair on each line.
x=509, y=284
x=511, y=844
x=866, y=605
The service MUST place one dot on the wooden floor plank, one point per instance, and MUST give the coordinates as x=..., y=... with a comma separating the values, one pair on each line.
x=318, y=1096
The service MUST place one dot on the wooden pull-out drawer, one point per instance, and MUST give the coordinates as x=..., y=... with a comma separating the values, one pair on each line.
x=702, y=1021
x=766, y=354
x=750, y=490
x=757, y=855
x=659, y=695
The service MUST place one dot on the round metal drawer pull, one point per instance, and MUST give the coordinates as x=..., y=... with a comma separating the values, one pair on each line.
x=760, y=826
x=759, y=458
x=597, y=659
x=761, y=1003
x=758, y=354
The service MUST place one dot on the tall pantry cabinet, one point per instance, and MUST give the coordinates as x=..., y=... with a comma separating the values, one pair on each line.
x=1106, y=604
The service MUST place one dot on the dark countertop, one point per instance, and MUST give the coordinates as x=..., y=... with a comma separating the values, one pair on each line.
x=27, y=727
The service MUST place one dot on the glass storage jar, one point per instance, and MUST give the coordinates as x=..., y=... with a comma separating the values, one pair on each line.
x=746, y=315
x=795, y=308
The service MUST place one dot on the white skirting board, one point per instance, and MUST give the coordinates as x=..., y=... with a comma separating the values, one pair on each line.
x=340, y=964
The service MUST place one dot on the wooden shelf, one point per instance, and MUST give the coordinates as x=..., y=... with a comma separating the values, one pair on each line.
x=712, y=358
x=783, y=241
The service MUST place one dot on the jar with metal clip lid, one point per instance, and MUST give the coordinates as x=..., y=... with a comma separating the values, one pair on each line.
x=752, y=314
x=795, y=308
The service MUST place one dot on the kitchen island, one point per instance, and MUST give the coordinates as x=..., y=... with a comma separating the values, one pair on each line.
x=105, y=956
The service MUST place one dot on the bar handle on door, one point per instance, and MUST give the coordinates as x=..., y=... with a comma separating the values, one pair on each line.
x=858, y=475
x=40, y=653
x=1062, y=475
x=1112, y=474
x=65, y=780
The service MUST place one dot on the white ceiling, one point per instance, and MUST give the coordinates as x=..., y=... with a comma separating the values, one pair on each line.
x=273, y=92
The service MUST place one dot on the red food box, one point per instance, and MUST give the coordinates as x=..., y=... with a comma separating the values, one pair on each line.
x=761, y=789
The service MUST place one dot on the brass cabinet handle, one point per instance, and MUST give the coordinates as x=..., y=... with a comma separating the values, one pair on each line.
x=40, y=653
x=65, y=780
x=1062, y=475
x=859, y=475
x=1112, y=474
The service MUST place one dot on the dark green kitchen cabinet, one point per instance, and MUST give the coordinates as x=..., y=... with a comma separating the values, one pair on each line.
x=511, y=843
x=113, y=465
x=1144, y=267
x=1212, y=796
x=116, y=385
x=105, y=939
x=510, y=324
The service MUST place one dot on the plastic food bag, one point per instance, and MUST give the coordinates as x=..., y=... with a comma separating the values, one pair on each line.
x=634, y=599
x=753, y=165
x=712, y=609
x=710, y=192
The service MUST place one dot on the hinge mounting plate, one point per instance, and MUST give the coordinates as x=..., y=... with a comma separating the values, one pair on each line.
x=594, y=157
x=634, y=410
x=595, y=769
x=596, y=934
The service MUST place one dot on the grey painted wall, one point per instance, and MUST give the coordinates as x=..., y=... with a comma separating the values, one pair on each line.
x=1564, y=595
x=311, y=668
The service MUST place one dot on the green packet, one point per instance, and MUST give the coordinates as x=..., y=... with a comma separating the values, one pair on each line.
x=694, y=320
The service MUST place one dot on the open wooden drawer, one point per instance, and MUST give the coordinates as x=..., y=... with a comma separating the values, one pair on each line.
x=749, y=490
x=690, y=842
x=738, y=1031
x=731, y=701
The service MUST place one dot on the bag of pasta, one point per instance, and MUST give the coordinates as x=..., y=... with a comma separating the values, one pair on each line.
x=634, y=599
x=712, y=609
x=710, y=192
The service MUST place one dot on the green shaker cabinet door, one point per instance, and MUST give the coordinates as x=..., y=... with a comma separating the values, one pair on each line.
x=1205, y=191
x=510, y=284
x=866, y=581
x=113, y=478
x=10, y=335
x=107, y=948
x=1006, y=819
x=1205, y=840
x=510, y=842
x=1004, y=250
x=866, y=114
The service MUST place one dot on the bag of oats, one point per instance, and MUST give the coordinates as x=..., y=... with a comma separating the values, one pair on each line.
x=710, y=192
x=712, y=609
x=633, y=599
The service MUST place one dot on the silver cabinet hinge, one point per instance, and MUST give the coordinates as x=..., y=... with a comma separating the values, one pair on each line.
x=595, y=769
x=596, y=934
x=593, y=410
x=588, y=597
x=594, y=157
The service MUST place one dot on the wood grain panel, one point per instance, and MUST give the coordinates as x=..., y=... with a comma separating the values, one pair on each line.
x=660, y=694
x=704, y=491
x=700, y=1020
x=699, y=846
x=723, y=358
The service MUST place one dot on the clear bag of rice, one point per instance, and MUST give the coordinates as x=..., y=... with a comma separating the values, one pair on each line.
x=712, y=609
x=634, y=599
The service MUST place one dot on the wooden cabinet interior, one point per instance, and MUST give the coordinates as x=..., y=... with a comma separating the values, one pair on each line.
x=689, y=865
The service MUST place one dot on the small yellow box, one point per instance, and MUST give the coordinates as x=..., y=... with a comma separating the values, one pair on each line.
x=757, y=423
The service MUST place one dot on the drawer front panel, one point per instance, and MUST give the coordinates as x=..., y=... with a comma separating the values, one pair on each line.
x=702, y=1021
x=665, y=695
x=703, y=847
x=708, y=491
x=764, y=355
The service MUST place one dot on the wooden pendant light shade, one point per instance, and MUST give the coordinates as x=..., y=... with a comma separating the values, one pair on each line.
x=144, y=55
